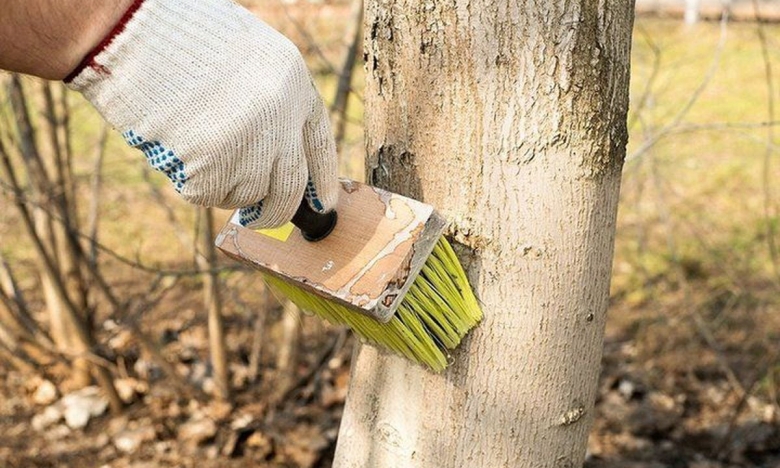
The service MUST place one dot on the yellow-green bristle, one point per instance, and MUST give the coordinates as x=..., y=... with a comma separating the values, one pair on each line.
x=433, y=317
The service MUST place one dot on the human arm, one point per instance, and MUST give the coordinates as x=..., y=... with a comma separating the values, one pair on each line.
x=48, y=38
x=219, y=102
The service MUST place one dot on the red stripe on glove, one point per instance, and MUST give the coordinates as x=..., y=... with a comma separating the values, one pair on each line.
x=89, y=59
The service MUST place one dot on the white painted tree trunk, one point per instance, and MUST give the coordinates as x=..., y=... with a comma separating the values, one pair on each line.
x=510, y=118
x=691, y=11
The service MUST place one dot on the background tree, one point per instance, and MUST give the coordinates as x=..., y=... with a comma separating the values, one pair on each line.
x=48, y=214
x=511, y=118
x=691, y=11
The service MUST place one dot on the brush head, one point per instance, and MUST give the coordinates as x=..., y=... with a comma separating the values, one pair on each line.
x=432, y=319
x=367, y=263
x=385, y=271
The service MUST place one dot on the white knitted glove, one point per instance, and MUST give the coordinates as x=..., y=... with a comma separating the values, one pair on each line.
x=220, y=103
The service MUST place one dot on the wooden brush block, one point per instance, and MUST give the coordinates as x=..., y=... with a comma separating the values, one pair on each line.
x=368, y=262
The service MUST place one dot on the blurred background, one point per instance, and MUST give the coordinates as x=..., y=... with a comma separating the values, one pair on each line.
x=194, y=363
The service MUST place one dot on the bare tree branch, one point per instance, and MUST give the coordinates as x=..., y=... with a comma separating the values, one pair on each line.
x=340, y=103
x=770, y=213
x=206, y=260
x=83, y=340
x=135, y=264
x=636, y=110
x=714, y=64
x=95, y=186
x=312, y=44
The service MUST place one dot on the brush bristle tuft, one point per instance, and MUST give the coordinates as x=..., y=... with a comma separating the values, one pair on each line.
x=433, y=317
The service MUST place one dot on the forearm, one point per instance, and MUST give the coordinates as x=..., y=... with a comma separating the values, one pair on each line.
x=48, y=38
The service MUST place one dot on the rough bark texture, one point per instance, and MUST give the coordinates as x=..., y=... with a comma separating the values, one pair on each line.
x=509, y=116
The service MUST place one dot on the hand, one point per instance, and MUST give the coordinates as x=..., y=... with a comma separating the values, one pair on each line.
x=220, y=103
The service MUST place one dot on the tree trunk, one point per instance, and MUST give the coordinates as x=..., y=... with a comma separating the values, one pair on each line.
x=55, y=217
x=510, y=118
x=49, y=228
x=207, y=261
x=287, y=352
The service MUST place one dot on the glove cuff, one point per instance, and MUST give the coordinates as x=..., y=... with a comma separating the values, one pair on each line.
x=175, y=78
x=218, y=101
x=89, y=59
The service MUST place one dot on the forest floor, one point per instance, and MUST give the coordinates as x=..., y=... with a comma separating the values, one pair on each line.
x=691, y=361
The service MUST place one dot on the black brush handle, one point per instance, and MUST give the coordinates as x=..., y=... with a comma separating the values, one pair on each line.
x=314, y=226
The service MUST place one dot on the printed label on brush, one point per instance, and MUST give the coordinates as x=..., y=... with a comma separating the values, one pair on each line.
x=281, y=233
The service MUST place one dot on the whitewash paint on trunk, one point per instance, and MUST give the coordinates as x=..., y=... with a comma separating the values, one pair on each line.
x=509, y=116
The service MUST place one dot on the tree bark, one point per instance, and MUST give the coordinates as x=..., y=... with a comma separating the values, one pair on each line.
x=510, y=118
x=207, y=261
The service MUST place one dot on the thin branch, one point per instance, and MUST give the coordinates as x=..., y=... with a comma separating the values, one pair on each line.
x=213, y=303
x=65, y=124
x=27, y=138
x=766, y=181
x=187, y=241
x=130, y=320
x=706, y=127
x=121, y=310
x=10, y=289
x=327, y=354
x=706, y=334
x=19, y=316
x=647, y=91
x=82, y=336
x=50, y=117
x=653, y=140
x=135, y=264
x=340, y=104
x=313, y=45
x=257, y=346
x=95, y=186
x=768, y=361
x=12, y=356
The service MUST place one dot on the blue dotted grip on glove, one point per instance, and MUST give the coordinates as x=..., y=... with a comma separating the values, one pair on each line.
x=250, y=214
x=160, y=158
x=165, y=161
x=312, y=198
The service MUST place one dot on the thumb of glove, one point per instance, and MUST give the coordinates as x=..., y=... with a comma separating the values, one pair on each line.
x=322, y=190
